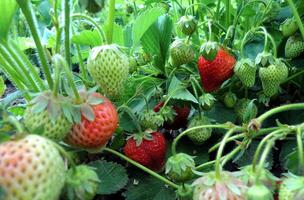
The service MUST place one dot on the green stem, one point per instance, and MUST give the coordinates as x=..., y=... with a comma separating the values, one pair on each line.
x=260, y=146
x=61, y=61
x=110, y=22
x=233, y=138
x=220, y=152
x=145, y=169
x=227, y=17
x=297, y=16
x=218, y=7
x=201, y=4
x=92, y=22
x=81, y=64
x=31, y=20
x=57, y=65
x=31, y=67
x=295, y=106
x=19, y=65
x=243, y=43
x=67, y=41
x=300, y=149
x=175, y=141
x=200, y=109
x=294, y=76
x=210, y=30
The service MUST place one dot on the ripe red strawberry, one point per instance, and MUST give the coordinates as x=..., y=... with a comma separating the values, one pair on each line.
x=214, y=73
x=149, y=150
x=180, y=119
x=31, y=168
x=96, y=133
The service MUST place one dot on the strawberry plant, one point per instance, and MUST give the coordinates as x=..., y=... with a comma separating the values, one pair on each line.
x=150, y=99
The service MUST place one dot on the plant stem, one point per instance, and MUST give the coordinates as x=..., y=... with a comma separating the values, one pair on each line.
x=31, y=20
x=57, y=64
x=31, y=67
x=227, y=17
x=69, y=74
x=295, y=106
x=67, y=42
x=218, y=7
x=260, y=146
x=220, y=152
x=297, y=16
x=200, y=4
x=81, y=64
x=110, y=22
x=91, y=21
x=20, y=66
x=233, y=138
x=300, y=149
x=175, y=141
x=145, y=169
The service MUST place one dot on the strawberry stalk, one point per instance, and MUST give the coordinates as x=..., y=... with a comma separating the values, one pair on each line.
x=300, y=149
x=259, y=121
x=59, y=59
x=297, y=16
x=67, y=42
x=145, y=169
x=91, y=21
x=31, y=20
x=199, y=4
x=196, y=95
x=230, y=139
x=175, y=141
x=57, y=64
x=225, y=158
x=260, y=146
x=55, y=21
x=220, y=152
x=110, y=21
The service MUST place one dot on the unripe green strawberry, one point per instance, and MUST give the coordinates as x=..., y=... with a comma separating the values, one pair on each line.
x=179, y=167
x=55, y=130
x=294, y=46
x=31, y=168
x=151, y=120
x=230, y=99
x=109, y=67
x=292, y=188
x=199, y=136
x=207, y=101
x=245, y=70
x=181, y=53
x=44, y=115
x=245, y=110
x=289, y=27
x=258, y=192
x=272, y=76
x=187, y=24
x=81, y=183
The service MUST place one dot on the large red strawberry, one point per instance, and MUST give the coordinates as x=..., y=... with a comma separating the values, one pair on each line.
x=97, y=132
x=149, y=150
x=181, y=115
x=214, y=73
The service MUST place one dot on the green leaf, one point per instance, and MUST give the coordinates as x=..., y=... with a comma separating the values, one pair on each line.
x=26, y=43
x=17, y=110
x=221, y=113
x=149, y=188
x=113, y=177
x=87, y=37
x=143, y=22
x=7, y=10
x=93, y=100
x=178, y=91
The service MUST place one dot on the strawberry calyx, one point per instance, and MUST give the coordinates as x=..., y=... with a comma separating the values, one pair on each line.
x=264, y=59
x=139, y=137
x=55, y=105
x=207, y=101
x=209, y=50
